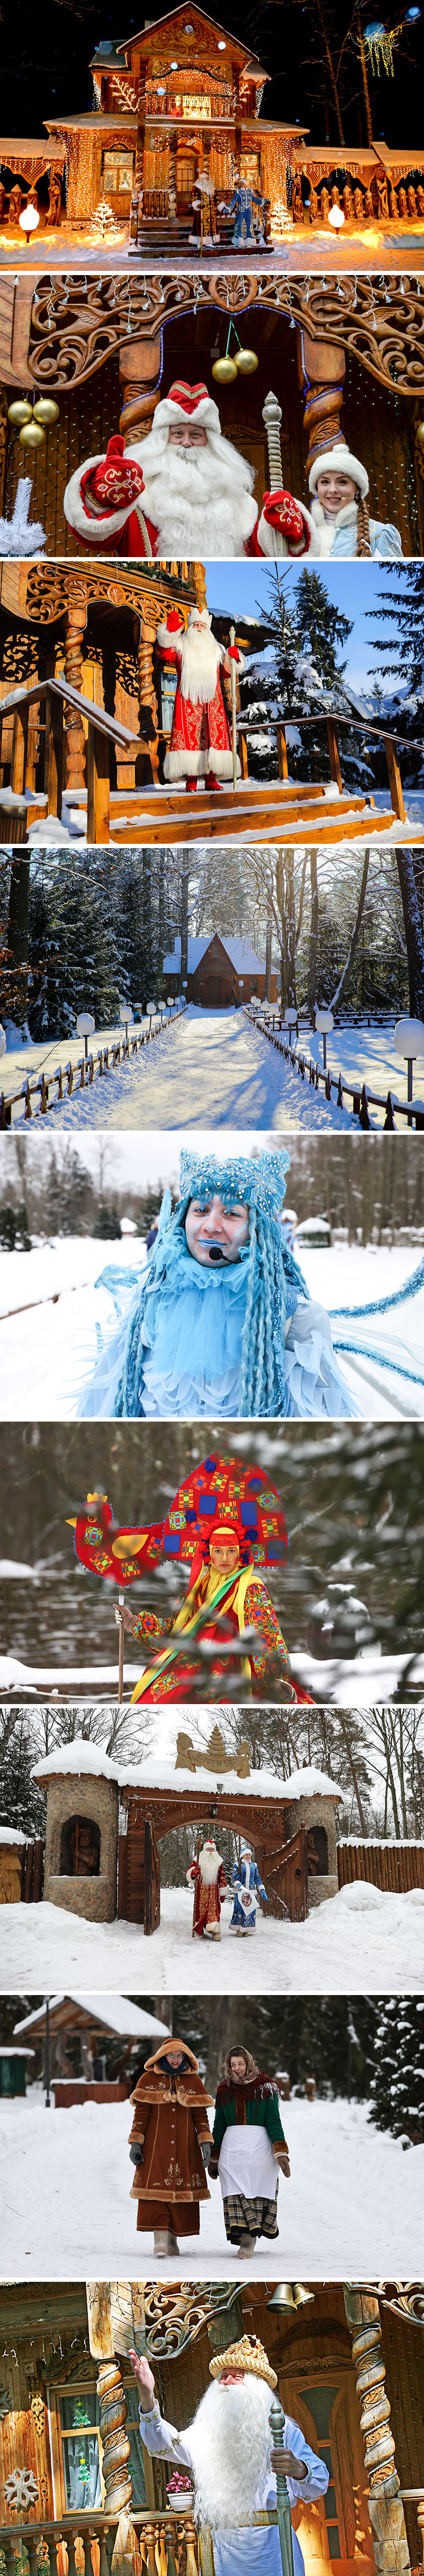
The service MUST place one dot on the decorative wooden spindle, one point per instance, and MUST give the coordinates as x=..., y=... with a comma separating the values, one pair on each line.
x=385, y=2502
x=116, y=2448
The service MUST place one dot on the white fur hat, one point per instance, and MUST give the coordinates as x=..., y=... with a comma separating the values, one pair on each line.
x=190, y=403
x=335, y=460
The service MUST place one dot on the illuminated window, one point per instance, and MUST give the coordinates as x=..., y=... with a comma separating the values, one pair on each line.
x=78, y=2416
x=320, y=2402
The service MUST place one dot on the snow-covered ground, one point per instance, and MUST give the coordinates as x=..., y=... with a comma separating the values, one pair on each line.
x=209, y=1070
x=213, y=1069
x=352, y=2209
x=359, y=1942
x=42, y=1371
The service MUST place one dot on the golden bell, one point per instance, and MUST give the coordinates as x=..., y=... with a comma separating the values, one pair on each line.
x=290, y=2294
x=246, y=362
x=225, y=371
x=33, y=435
x=19, y=411
x=45, y=409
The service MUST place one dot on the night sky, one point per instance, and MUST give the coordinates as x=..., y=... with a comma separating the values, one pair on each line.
x=46, y=55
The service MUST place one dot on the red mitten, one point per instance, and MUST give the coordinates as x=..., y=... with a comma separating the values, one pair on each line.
x=173, y=621
x=118, y=481
x=232, y=653
x=281, y=511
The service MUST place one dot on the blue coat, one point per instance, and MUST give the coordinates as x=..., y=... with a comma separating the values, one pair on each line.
x=247, y=1885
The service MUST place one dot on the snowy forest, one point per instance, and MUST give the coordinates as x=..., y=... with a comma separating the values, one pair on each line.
x=88, y=934
x=49, y=1188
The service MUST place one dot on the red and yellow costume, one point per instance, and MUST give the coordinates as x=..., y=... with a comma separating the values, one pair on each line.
x=221, y=1497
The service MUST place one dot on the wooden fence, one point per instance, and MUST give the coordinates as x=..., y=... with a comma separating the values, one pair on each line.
x=393, y=1867
x=392, y=742
x=333, y=1084
x=50, y=1089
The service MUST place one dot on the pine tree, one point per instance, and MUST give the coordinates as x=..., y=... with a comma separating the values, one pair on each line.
x=397, y=2086
x=403, y=611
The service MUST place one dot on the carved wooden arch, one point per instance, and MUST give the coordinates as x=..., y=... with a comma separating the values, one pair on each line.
x=57, y=334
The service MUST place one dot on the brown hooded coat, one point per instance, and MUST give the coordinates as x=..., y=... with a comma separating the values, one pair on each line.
x=170, y=2122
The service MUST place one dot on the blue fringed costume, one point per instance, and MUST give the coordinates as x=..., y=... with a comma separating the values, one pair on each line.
x=239, y=1341
x=247, y=1887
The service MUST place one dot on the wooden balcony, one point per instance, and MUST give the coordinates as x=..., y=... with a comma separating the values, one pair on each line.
x=83, y=2544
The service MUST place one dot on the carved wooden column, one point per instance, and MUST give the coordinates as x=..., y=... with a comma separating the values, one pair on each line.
x=321, y=372
x=146, y=689
x=114, y=2439
x=75, y=739
x=139, y=367
x=141, y=133
x=385, y=2503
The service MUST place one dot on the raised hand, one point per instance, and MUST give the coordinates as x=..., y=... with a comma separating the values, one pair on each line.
x=281, y=511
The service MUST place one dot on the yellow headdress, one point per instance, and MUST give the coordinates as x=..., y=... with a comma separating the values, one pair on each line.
x=248, y=2356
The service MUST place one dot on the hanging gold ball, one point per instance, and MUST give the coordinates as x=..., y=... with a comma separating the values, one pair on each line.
x=246, y=362
x=224, y=371
x=420, y=433
x=45, y=409
x=33, y=435
x=19, y=411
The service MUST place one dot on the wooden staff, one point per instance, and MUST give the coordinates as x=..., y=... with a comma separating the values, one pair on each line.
x=272, y=416
x=233, y=705
x=121, y=1599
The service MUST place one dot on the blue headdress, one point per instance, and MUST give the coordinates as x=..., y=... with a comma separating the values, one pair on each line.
x=274, y=1280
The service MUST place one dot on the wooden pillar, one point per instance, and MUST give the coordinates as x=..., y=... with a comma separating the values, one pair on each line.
x=333, y=747
x=139, y=368
x=385, y=2503
x=394, y=778
x=98, y=788
x=19, y=749
x=113, y=2413
x=141, y=133
x=146, y=689
x=283, y=766
x=53, y=753
x=75, y=739
x=321, y=367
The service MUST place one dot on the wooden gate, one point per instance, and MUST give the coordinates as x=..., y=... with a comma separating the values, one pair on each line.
x=139, y=1873
x=287, y=1877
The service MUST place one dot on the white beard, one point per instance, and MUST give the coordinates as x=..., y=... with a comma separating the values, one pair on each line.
x=199, y=499
x=200, y=657
x=209, y=1864
x=230, y=2443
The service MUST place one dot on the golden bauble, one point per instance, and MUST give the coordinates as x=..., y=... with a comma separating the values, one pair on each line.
x=246, y=362
x=420, y=433
x=33, y=435
x=45, y=409
x=224, y=371
x=19, y=411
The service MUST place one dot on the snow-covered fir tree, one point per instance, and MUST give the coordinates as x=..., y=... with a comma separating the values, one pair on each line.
x=397, y=2085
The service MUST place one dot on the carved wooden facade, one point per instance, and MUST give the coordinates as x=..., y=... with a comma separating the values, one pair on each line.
x=106, y=348
x=350, y=2365
x=98, y=630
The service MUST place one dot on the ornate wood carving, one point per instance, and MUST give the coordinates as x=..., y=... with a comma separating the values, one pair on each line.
x=385, y=2503
x=76, y=325
x=53, y=588
x=212, y=1757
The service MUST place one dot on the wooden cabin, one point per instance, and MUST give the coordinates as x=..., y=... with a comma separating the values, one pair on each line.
x=219, y=972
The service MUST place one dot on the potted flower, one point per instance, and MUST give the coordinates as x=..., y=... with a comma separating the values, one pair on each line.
x=180, y=2491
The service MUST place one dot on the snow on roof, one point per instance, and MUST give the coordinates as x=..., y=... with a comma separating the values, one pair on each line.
x=308, y=1782
x=239, y=951
x=17, y=2052
x=113, y=2012
x=8, y=1834
x=75, y=1759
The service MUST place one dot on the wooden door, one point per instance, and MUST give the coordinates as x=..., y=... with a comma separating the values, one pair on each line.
x=134, y=1906
x=185, y=180
x=151, y=1909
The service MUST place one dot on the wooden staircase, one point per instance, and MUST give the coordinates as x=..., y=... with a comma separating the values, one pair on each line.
x=278, y=812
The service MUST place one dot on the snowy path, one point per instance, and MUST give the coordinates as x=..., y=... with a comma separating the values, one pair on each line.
x=42, y=1370
x=352, y=2208
x=359, y=1942
x=209, y=1070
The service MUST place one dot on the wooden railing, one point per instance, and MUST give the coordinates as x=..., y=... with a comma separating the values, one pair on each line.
x=393, y=1867
x=333, y=1085
x=354, y=724
x=69, y=1077
x=87, y=2541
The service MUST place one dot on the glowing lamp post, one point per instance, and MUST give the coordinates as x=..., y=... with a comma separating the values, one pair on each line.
x=151, y=1011
x=29, y=221
x=336, y=218
x=324, y=1023
x=85, y=1027
x=409, y=1042
x=170, y=1002
x=290, y=1021
x=125, y=1015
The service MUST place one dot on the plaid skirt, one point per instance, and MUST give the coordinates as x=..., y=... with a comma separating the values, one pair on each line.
x=249, y=2217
